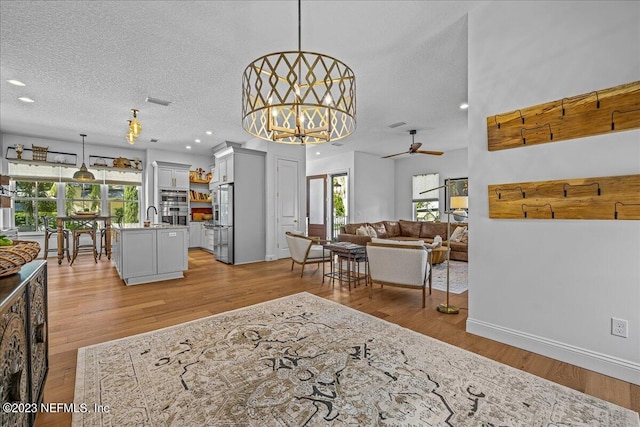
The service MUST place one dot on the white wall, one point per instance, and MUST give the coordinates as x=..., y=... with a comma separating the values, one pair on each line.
x=274, y=152
x=552, y=286
x=452, y=164
x=374, y=186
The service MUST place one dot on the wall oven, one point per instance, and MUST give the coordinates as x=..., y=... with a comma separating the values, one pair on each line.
x=174, y=207
x=174, y=215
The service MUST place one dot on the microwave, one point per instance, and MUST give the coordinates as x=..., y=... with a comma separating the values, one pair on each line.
x=172, y=197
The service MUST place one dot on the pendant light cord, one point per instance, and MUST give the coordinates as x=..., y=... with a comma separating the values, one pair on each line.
x=299, y=27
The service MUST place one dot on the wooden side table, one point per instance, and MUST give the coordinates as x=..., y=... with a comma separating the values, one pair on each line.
x=439, y=254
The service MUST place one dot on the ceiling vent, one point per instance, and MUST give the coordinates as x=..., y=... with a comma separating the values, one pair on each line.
x=397, y=124
x=158, y=101
x=153, y=140
x=337, y=144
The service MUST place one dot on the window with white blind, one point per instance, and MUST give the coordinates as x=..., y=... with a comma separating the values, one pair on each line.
x=38, y=194
x=425, y=206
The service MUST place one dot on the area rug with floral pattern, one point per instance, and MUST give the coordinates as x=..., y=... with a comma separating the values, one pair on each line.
x=302, y=360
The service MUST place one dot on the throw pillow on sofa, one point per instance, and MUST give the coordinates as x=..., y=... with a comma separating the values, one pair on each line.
x=371, y=231
x=457, y=234
x=465, y=236
x=362, y=231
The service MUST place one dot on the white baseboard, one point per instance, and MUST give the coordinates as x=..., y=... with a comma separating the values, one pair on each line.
x=594, y=361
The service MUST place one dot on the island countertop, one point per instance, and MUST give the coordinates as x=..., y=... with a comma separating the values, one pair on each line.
x=138, y=226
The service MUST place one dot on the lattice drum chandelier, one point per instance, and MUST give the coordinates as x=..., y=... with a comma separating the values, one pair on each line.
x=298, y=97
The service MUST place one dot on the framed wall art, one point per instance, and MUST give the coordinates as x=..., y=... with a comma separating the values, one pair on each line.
x=454, y=187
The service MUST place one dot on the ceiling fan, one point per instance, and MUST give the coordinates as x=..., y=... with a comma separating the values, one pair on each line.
x=415, y=148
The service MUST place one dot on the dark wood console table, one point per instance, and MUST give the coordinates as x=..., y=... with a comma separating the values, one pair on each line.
x=24, y=342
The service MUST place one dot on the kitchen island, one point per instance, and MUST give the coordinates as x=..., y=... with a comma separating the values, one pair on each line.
x=149, y=254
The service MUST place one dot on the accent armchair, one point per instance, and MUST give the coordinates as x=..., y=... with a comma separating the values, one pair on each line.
x=401, y=264
x=307, y=250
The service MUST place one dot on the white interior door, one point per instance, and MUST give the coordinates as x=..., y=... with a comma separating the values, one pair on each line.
x=287, y=202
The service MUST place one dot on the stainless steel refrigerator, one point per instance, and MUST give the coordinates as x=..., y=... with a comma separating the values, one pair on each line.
x=223, y=231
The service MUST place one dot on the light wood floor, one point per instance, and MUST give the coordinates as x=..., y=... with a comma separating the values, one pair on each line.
x=88, y=304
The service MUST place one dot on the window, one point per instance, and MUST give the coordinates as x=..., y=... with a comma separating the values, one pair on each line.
x=123, y=200
x=34, y=199
x=81, y=197
x=426, y=206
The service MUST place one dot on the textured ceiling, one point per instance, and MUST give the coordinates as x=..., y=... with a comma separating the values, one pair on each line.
x=88, y=63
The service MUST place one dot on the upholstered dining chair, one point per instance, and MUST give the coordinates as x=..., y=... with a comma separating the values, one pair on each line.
x=307, y=250
x=51, y=230
x=84, y=227
x=399, y=263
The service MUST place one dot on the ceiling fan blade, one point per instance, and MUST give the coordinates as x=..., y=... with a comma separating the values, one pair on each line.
x=393, y=155
x=433, y=153
x=415, y=147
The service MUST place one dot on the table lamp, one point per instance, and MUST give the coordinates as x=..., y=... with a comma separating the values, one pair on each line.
x=458, y=204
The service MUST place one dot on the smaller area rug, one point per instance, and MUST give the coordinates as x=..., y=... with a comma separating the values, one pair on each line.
x=306, y=361
x=458, y=281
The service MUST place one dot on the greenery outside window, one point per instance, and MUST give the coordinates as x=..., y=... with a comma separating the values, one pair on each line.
x=81, y=197
x=34, y=199
x=426, y=206
x=123, y=200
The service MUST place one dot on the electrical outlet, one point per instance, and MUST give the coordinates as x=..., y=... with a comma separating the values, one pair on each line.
x=619, y=327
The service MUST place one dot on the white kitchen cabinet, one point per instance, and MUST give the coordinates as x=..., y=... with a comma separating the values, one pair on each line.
x=149, y=254
x=225, y=169
x=207, y=239
x=172, y=254
x=196, y=232
x=173, y=176
x=139, y=254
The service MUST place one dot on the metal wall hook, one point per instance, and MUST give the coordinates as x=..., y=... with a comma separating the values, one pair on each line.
x=582, y=96
x=524, y=140
x=499, y=189
x=565, y=187
x=613, y=126
x=553, y=215
x=615, y=207
x=495, y=118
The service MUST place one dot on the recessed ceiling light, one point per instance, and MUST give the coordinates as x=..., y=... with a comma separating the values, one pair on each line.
x=464, y=106
x=188, y=147
x=16, y=82
x=197, y=141
x=26, y=99
x=317, y=153
x=209, y=132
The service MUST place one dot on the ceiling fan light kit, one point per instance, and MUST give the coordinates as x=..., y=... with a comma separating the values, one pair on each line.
x=415, y=148
x=298, y=97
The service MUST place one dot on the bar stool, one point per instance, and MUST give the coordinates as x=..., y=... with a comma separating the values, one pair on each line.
x=103, y=237
x=84, y=227
x=51, y=230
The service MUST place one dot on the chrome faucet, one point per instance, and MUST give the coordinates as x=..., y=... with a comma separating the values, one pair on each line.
x=154, y=209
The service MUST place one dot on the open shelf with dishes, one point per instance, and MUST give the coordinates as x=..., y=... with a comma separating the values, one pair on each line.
x=104, y=162
x=37, y=154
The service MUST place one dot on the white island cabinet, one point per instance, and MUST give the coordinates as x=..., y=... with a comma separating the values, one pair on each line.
x=150, y=254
